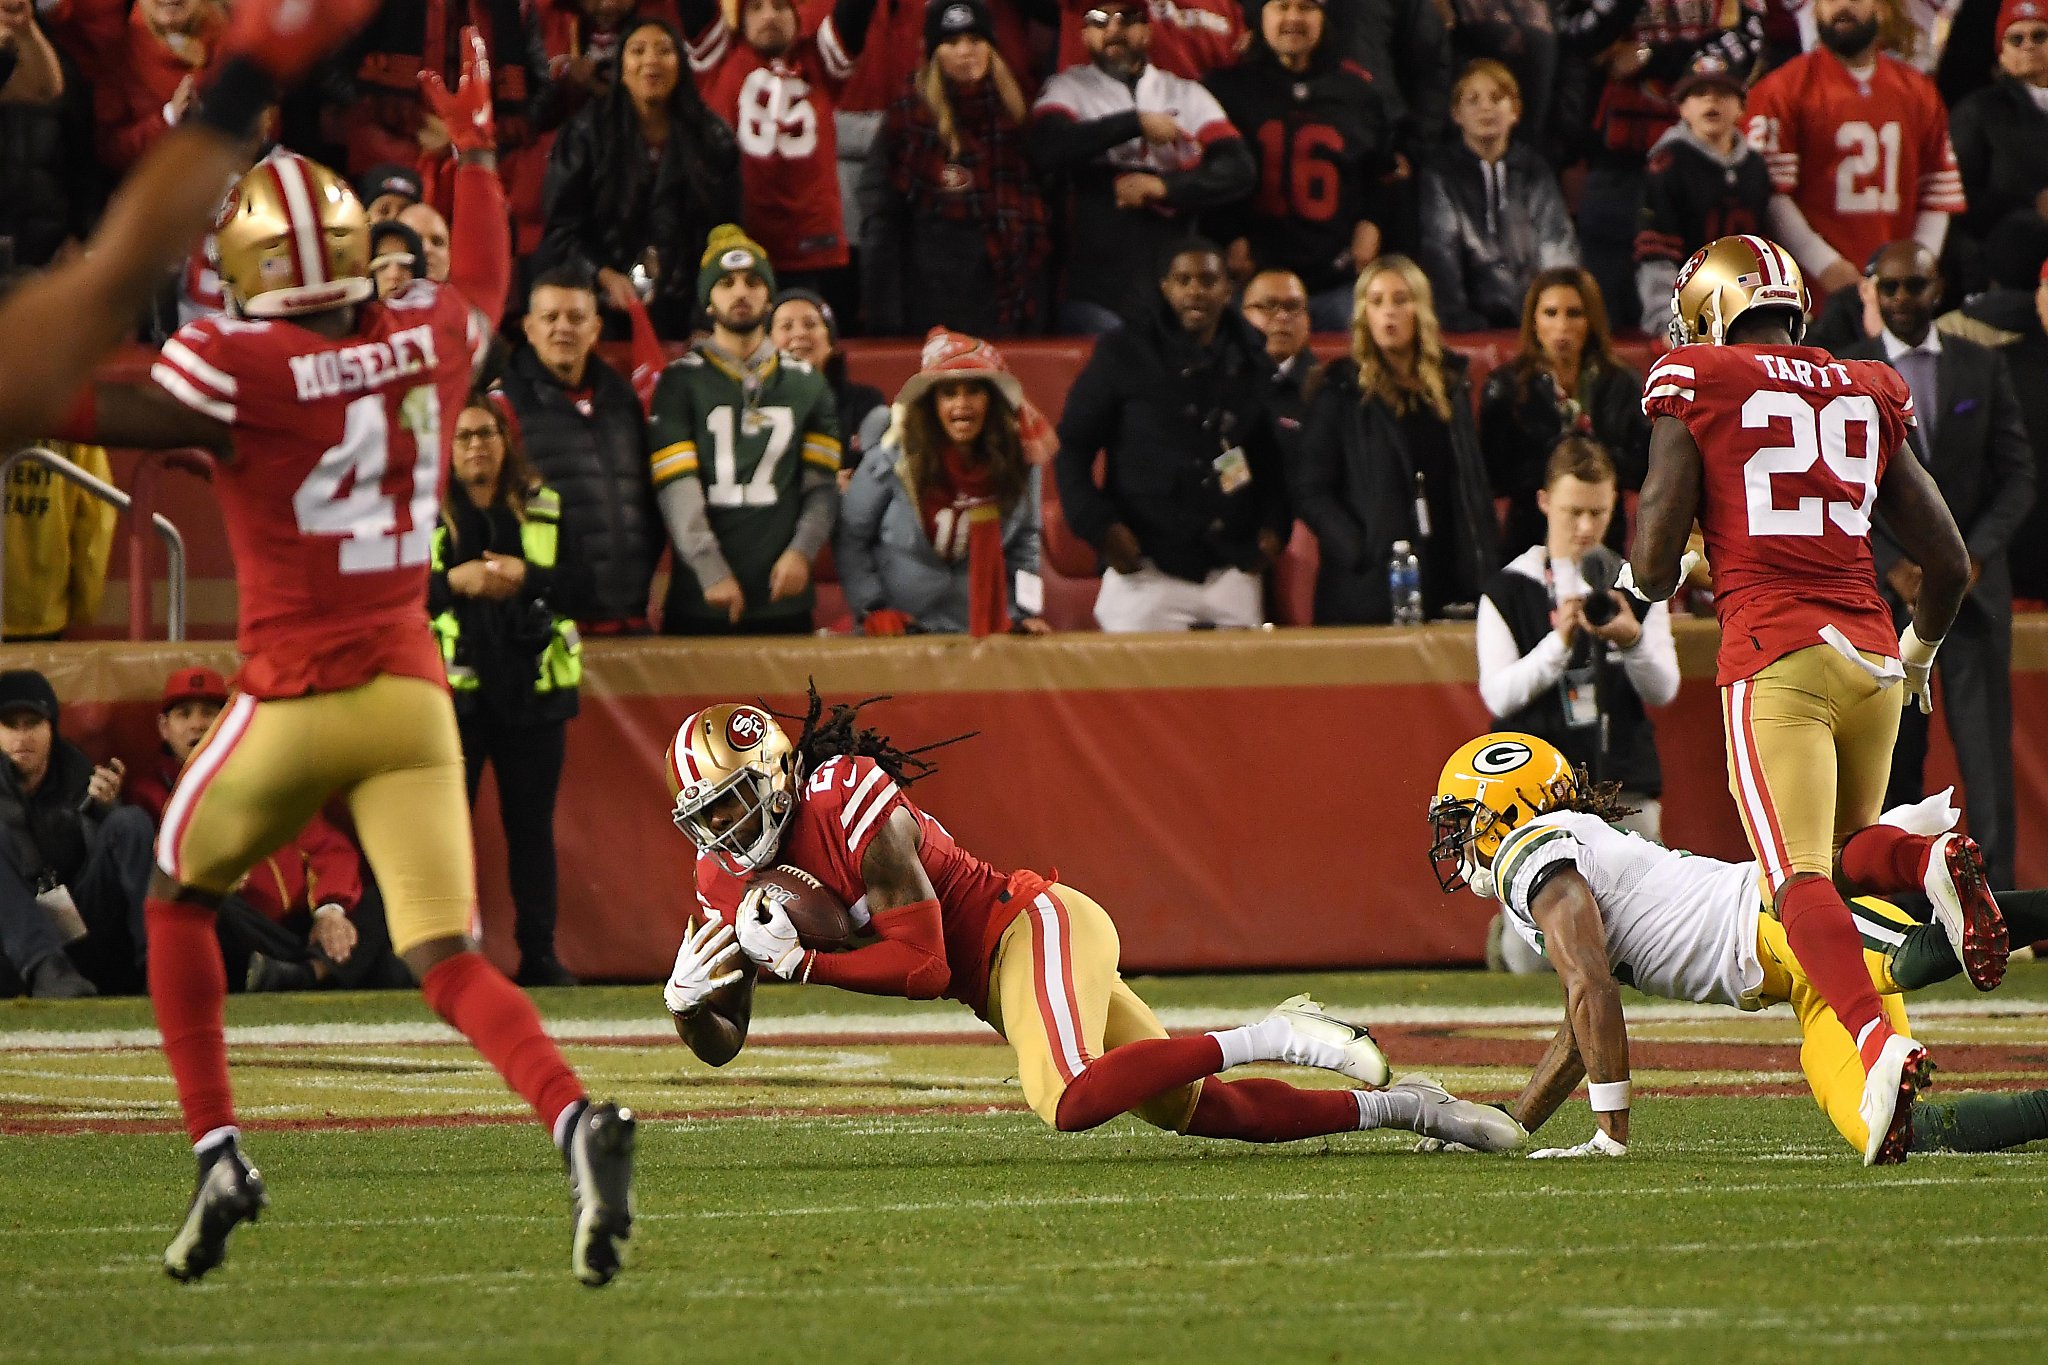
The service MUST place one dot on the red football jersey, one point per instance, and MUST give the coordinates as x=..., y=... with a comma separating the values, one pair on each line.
x=1793, y=444
x=1861, y=158
x=331, y=497
x=1190, y=38
x=782, y=113
x=842, y=808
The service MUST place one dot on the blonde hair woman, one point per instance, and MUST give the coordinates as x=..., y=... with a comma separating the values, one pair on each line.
x=1391, y=453
x=955, y=225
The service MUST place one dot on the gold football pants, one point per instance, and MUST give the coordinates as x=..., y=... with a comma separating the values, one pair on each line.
x=266, y=767
x=1809, y=750
x=1827, y=1054
x=1054, y=993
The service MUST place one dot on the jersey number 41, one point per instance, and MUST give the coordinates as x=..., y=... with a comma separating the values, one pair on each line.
x=346, y=494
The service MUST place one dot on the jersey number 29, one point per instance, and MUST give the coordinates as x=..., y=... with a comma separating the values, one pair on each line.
x=1816, y=438
x=367, y=513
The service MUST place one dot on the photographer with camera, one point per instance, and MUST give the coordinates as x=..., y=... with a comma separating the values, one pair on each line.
x=1566, y=656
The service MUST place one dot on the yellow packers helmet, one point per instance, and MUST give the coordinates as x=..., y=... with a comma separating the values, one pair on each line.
x=1730, y=277
x=1488, y=788
x=291, y=237
x=733, y=749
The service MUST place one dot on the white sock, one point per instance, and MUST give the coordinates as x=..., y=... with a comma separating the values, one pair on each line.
x=1260, y=1042
x=565, y=1123
x=219, y=1137
x=1387, y=1108
x=1865, y=1032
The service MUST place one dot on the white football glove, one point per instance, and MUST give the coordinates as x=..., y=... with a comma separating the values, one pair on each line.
x=1917, y=656
x=1598, y=1145
x=701, y=967
x=766, y=935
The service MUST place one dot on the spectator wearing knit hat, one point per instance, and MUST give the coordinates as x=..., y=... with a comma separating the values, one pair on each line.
x=939, y=530
x=954, y=222
x=388, y=190
x=745, y=460
x=2001, y=132
x=804, y=327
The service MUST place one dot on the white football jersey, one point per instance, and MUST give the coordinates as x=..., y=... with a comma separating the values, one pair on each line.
x=1678, y=925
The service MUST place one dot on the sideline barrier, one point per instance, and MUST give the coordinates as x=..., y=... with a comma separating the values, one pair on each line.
x=1236, y=800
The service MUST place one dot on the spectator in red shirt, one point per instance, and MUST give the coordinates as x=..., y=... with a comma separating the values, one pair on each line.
x=192, y=698
x=152, y=85
x=779, y=89
x=1190, y=38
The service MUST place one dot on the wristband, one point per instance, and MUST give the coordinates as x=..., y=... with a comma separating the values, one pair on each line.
x=329, y=909
x=1608, y=1097
x=1914, y=650
x=235, y=98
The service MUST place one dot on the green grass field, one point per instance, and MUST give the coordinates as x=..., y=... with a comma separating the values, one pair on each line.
x=863, y=1184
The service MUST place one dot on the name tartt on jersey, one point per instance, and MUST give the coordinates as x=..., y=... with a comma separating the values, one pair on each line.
x=1790, y=370
x=366, y=367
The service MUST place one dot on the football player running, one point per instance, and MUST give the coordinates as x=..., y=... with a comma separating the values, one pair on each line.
x=1034, y=958
x=332, y=413
x=56, y=327
x=1513, y=821
x=1784, y=454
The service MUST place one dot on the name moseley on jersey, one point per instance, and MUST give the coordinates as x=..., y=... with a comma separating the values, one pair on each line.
x=369, y=365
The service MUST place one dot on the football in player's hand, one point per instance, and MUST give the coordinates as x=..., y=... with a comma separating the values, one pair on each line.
x=822, y=921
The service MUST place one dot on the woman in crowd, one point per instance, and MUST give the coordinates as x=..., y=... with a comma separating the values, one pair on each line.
x=804, y=327
x=639, y=177
x=1492, y=213
x=1564, y=381
x=2001, y=132
x=955, y=227
x=1390, y=453
x=942, y=517
x=513, y=665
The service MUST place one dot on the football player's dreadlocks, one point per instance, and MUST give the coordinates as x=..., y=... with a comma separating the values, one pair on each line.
x=834, y=733
x=1580, y=793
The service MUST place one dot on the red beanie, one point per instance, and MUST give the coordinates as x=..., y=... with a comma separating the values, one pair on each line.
x=2020, y=12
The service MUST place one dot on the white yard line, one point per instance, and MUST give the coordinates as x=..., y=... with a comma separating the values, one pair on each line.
x=938, y=1023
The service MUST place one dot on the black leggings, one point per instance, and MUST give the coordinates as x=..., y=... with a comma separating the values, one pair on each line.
x=528, y=763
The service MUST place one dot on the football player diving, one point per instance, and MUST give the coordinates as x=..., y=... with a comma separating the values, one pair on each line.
x=1034, y=958
x=1512, y=820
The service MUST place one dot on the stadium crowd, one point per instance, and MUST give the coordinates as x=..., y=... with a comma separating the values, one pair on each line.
x=1201, y=184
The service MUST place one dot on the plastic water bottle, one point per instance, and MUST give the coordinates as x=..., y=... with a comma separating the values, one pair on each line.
x=1404, y=585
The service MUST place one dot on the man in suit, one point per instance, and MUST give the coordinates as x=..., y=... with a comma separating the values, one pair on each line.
x=1973, y=440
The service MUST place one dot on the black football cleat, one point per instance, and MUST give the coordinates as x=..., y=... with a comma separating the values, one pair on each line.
x=230, y=1191
x=600, y=1158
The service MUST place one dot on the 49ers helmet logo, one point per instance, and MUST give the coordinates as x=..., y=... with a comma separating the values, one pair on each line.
x=1504, y=757
x=745, y=729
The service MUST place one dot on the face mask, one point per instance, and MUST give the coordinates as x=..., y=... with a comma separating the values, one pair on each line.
x=1479, y=879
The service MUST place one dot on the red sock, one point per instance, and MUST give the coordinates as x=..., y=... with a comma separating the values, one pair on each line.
x=503, y=1025
x=1879, y=858
x=1125, y=1077
x=1825, y=940
x=187, y=984
x=1259, y=1110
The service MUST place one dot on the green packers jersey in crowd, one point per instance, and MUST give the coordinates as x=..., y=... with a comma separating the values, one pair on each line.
x=748, y=438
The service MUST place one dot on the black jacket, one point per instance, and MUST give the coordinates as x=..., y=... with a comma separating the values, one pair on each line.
x=605, y=205
x=2006, y=319
x=2001, y=142
x=1981, y=460
x=1113, y=253
x=1519, y=425
x=53, y=181
x=1354, y=485
x=1406, y=47
x=49, y=835
x=612, y=532
x=1162, y=411
x=1327, y=132
x=1480, y=267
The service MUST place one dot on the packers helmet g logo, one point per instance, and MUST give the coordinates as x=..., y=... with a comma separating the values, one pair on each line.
x=735, y=260
x=1503, y=757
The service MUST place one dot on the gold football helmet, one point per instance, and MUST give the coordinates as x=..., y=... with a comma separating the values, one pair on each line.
x=1730, y=277
x=725, y=749
x=291, y=237
x=1487, y=789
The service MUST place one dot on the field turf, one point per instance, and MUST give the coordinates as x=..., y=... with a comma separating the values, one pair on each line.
x=863, y=1184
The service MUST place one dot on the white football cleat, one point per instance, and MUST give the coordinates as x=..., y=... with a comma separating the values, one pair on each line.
x=1902, y=1072
x=1451, y=1120
x=1318, y=1040
x=1965, y=911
